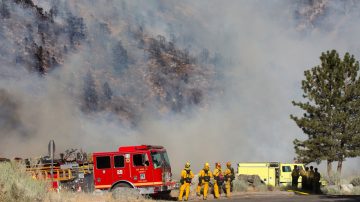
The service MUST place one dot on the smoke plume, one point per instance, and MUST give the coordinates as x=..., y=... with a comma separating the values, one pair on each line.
x=209, y=80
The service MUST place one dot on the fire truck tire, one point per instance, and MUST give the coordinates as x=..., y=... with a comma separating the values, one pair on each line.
x=123, y=191
x=166, y=194
x=121, y=185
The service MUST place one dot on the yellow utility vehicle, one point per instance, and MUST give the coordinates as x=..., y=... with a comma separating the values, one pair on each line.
x=271, y=173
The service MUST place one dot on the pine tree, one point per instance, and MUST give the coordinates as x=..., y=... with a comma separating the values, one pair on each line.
x=332, y=111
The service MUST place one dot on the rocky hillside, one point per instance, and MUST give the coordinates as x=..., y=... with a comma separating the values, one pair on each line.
x=123, y=58
x=123, y=66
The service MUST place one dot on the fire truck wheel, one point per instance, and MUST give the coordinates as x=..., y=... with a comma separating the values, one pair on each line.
x=166, y=194
x=121, y=185
x=123, y=192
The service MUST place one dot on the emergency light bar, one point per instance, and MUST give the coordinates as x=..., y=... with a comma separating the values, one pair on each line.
x=140, y=147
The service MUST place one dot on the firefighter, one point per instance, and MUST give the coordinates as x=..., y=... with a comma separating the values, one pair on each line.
x=232, y=176
x=316, y=182
x=311, y=178
x=218, y=179
x=305, y=178
x=295, y=176
x=229, y=177
x=204, y=178
x=186, y=177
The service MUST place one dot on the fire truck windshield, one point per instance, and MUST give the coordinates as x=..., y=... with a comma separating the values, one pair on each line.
x=160, y=159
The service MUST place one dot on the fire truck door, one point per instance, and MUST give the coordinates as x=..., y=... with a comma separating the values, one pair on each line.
x=142, y=172
x=272, y=176
x=102, y=172
x=285, y=174
x=121, y=168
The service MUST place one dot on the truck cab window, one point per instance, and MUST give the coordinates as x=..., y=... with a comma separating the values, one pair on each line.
x=140, y=160
x=156, y=158
x=103, y=162
x=286, y=169
x=119, y=161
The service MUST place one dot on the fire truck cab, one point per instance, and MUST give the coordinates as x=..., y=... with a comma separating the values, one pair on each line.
x=271, y=173
x=144, y=167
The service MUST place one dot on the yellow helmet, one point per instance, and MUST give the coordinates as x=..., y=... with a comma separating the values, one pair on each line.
x=207, y=166
x=187, y=165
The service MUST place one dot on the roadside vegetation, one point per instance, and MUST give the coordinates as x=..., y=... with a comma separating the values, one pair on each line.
x=331, y=112
x=17, y=185
x=344, y=186
x=242, y=185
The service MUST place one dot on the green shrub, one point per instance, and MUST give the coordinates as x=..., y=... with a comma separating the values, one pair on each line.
x=331, y=190
x=355, y=181
x=17, y=185
x=240, y=185
x=333, y=179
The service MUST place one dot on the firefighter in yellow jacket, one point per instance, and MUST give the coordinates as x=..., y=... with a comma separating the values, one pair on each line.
x=218, y=179
x=204, y=178
x=229, y=177
x=186, y=177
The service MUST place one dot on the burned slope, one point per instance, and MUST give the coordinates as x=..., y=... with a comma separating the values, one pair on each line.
x=123, y=69
x=165, y=79
x=34, y=38
x=311, y=14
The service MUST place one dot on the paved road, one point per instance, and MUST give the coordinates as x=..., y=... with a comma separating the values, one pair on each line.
x=276, y=196
x=294, y=198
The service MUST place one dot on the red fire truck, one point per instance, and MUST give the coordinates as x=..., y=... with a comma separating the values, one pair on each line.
x=145, y=167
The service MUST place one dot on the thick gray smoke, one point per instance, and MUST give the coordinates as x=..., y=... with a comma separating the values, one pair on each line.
x=209, y=80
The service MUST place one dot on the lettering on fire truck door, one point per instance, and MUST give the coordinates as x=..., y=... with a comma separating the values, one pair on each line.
x=141, y=172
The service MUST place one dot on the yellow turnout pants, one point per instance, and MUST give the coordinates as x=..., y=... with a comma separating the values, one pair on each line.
x=205, y=191
x=216, y=190
x=184, y=187
x=227, y=187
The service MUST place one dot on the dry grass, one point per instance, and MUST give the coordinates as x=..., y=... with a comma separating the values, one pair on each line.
x=126, y=196
x=355, y=181
x=17, y=185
